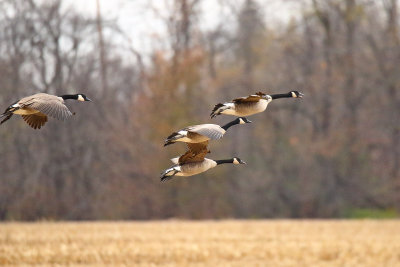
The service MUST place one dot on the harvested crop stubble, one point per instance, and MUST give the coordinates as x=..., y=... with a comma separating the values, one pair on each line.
x=203, y=243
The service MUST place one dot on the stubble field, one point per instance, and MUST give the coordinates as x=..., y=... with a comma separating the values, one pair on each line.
x=205, y=243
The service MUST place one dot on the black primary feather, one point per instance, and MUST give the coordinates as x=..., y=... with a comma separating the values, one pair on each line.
x=8, y=113
x=171, y=139
x=167, y=175
x=7, y=118
x=215, y=109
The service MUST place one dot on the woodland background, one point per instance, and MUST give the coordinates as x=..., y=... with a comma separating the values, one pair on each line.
x=331, y=154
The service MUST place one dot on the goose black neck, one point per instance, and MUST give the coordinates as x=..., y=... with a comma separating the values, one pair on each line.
x=223, y=161
x=230, y=124
x=69, y=97
x=275, y=96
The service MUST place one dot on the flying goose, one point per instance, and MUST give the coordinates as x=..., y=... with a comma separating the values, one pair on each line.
x=194, y=162
x=249, y=105
x=34, y=109
x=202, y=132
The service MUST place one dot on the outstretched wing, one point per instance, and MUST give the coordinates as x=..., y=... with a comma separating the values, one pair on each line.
x=191, y=157
x=186, y=157
x=195, y=152
x=198, y=147
x=251, y=98
x=36, y=121
x=212, y=131
x=49, y=105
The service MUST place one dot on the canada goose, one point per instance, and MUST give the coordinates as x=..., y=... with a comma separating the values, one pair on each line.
x=34, y=109
x=194, y=162
x=249, y=105
x=202, y=132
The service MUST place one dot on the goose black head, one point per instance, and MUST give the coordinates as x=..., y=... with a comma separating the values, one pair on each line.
x=237, y=161
x=244, y=120
x=82, y=97
x=296, y=94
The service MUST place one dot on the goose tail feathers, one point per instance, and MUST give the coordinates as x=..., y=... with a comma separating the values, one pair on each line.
x=218, y=109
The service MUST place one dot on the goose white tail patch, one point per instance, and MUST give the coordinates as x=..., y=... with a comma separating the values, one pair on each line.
x=229, y=108
x=184, y=133
x=16, y=105
x=175, y=160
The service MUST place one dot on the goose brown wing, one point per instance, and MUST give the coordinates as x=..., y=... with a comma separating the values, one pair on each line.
x=50, y=105
x=197, y=147
x=185, y=157
x=199, y=157
x=251, y=98
x=191, y=157
x=212, y=131
x=36, y=121
x=195, y=152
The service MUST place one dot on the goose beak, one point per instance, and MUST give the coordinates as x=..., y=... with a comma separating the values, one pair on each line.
x=88, y=99
x=243, y=162
x=300, y=95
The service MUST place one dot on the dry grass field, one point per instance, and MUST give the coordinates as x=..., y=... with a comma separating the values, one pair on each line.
x=205, y=243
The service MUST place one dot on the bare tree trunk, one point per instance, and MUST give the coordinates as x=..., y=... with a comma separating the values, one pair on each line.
x=323, y=17
x=103, y=64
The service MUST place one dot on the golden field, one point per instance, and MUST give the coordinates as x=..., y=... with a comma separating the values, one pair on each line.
x=204, y=243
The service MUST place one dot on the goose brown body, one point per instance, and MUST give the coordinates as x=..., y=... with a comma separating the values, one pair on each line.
x=248, y=108
x=249, y=105
x=194, y=168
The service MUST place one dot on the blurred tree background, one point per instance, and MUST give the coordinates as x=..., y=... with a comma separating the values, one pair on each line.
x=334, y=152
